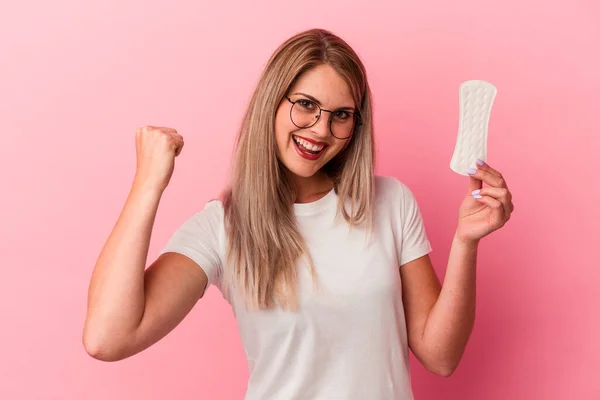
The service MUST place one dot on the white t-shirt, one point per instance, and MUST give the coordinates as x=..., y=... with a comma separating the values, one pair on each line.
x=348, y=340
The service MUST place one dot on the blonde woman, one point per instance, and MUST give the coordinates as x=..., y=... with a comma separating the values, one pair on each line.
x=325, y=265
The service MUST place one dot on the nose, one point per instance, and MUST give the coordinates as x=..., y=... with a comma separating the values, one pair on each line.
x=321, y=128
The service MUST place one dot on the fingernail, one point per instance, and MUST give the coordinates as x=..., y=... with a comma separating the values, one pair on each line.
x=479, y=162
x=478, y=196
x=471, y=171
x=474, y=192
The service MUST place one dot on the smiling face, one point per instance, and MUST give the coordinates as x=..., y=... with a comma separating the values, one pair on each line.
x=304, y=151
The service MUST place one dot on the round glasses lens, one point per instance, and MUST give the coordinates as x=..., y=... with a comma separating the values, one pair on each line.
x=305, y=113
x=342, y=124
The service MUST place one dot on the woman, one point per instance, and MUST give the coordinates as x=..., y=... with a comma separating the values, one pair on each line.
x=326, y=265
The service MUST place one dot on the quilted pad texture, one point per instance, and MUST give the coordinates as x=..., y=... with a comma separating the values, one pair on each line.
x=476, y=98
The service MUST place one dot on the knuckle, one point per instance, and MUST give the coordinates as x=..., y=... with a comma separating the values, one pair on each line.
x=501, y=181
x=146, y=130
x=168, y=130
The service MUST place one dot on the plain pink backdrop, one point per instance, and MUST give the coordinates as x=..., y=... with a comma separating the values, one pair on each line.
x=77, y=78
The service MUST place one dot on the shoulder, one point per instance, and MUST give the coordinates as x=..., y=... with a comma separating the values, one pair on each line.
x=390, y=188
x=213, y=206
x=207, y=219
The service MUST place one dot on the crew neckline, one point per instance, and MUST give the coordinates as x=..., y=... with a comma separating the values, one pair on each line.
x=317, y=205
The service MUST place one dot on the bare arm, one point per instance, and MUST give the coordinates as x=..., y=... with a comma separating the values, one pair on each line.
x=440, y=318
x=130, y=308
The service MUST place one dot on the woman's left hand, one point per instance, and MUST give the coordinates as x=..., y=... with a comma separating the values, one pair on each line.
x=485, y=209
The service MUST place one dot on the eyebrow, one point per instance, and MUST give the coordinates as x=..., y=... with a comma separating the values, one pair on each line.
x=319, y=103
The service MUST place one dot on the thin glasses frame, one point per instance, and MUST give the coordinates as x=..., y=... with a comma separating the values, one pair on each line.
x=357, y=119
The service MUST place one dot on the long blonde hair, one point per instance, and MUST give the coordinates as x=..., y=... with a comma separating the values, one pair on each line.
x=264, y=244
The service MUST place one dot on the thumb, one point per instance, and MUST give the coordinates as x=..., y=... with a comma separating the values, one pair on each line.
x=474, y=184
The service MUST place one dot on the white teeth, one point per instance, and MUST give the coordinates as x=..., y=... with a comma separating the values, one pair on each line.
x=307, y=145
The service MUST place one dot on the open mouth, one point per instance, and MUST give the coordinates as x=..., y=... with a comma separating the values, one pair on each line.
x=308, y=150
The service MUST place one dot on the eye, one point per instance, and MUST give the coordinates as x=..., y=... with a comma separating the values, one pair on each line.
x=341, y=115
x=306, y=104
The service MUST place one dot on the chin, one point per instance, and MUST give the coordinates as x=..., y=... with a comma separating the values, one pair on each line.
x=299, y=169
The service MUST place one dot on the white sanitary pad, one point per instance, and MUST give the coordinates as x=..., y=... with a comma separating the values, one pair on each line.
x=476, y=99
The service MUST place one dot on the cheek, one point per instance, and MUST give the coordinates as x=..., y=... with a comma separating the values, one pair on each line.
x=337, y=149
x=282, y=128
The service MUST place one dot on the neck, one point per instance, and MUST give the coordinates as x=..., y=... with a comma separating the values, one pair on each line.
x=311, y=188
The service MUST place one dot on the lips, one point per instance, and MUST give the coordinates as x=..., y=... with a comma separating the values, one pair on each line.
x=309, y=149
x=311, y=141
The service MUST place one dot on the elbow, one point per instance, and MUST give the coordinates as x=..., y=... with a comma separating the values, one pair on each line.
x=100, y=349
x=445, y=371
x=443, y=368
x=437, y=364
x=100, y=352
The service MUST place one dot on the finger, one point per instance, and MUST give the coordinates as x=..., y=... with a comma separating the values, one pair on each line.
x=501, y=194
x=166, y=129
x=179, y=148
x=495, y=205
x=488, y=177
x=174, y=135
x=474, y=184
x=486, y=167
x=177, y=144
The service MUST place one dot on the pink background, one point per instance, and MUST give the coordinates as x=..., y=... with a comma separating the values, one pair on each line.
x=77, y=78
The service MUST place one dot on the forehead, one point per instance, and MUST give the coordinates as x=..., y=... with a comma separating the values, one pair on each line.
x=326, y=85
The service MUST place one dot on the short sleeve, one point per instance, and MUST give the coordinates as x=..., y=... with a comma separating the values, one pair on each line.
x=198, y=239
x=415, y=242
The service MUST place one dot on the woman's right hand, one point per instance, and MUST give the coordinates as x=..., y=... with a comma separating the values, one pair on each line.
x=156, y=149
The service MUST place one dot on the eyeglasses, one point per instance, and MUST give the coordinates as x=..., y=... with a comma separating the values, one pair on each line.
x=306, y=113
